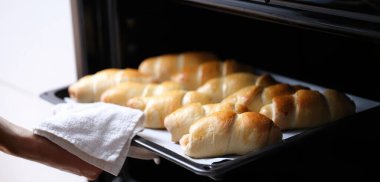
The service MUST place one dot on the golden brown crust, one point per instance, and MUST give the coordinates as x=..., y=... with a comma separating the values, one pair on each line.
x=163, y=67
x=225, y=132
x=339, y=104
x=215, y=93
x=307, y=108
x=245, y=99
x=312, y=109
x=284, y=109
x=194, y=97
x=90, y=87
x=154, y=66
x=265, y=80
x=220, y=88
x=211, y=92
x=121, y=93
x=192, y=78
x=250, y=98
x=156, y=108
x=276, y=90
x=179, y=122
x=80, y=92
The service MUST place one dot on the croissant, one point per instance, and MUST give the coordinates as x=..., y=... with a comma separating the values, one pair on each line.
x=89, y=88
x=156, y=108
x=163, y=67
x=121, y=93
x=192, y=78
x=307, y=108
x=250, y=98
x=226, y=132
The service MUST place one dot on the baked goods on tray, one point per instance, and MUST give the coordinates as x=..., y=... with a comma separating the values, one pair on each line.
x=156, y=108
x=212, y=108
x=163, y=67
x=192, y=78
x=308, y=108
x=226, y=132
x=121, y=93
x=90, y=87
x=250, y=98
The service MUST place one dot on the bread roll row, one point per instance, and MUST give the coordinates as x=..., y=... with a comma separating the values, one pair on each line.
x=189, y=70
x=211, y=107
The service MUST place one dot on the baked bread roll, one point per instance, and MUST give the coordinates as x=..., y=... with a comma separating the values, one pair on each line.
x=226, y=132
x=121, y=93
x=250, y=98
x=192, y=78
x=156, y=108
x=220, y=88
x=89, y=88
x=163, y=67
x=307, y=108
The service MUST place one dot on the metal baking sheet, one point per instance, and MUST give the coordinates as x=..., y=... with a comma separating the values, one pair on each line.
x=159, y=140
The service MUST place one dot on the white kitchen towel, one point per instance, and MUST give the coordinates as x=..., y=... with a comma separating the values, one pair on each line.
x=98, y=133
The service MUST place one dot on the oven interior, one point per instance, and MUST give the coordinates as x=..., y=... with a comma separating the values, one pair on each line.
x=123, y=33
x=135, y=30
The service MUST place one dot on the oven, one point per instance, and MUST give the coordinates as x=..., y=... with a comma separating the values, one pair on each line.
x=330, y=43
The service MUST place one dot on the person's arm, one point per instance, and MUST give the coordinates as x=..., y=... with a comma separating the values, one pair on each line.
x=21, y=142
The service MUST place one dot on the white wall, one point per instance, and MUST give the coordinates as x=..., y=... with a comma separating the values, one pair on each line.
x=36, y=55
x=36, y=44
